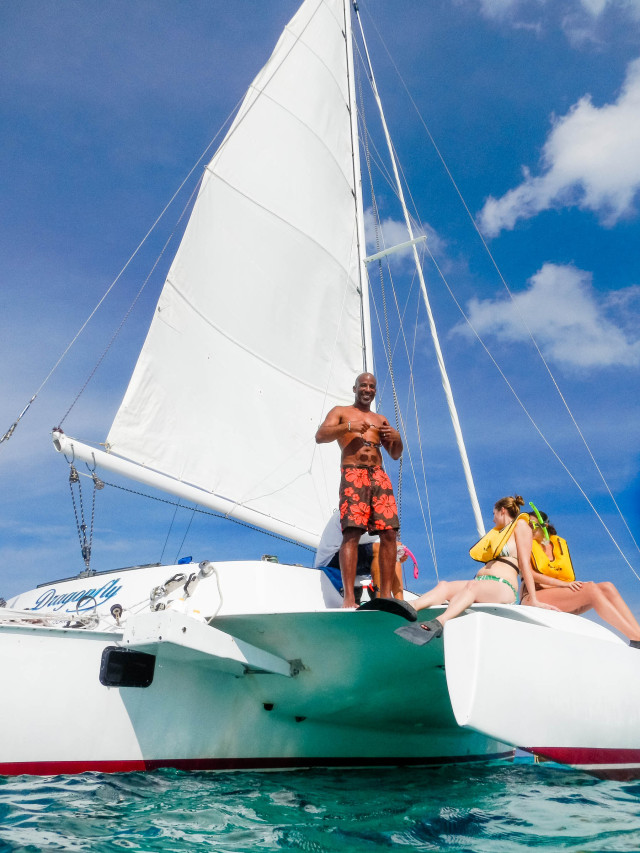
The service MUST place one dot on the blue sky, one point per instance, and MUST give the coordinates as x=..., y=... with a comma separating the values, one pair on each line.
x=535, y=107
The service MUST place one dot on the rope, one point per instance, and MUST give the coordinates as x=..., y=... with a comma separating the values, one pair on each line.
x=29, y=617
x=427, y=519
x=186, y=533
x=166, y=541
x=428, y=525
x=533, y=422
x=81, y=527
x=376, y=217
x=209, y=513
x=529, y=332
x=131, y=307
x=13, y=427
x=69, y=346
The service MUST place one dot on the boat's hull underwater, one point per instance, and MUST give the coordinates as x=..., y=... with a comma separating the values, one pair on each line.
x=282, y=678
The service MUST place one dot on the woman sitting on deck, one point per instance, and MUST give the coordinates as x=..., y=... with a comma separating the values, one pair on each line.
x=555, y=583
x=506, y=552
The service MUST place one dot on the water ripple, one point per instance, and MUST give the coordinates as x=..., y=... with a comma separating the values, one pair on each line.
x=498, y=808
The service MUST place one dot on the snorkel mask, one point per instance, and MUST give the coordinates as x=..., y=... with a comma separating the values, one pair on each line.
x=543, y=526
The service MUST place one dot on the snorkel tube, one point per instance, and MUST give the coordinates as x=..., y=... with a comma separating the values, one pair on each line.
x=413, y=560
x=540, y=521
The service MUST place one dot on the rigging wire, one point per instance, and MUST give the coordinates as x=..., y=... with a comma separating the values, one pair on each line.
x=98, y=305
x=367, y=141
x=533, y=422
x=428, y=525
x=208, y=512
x=389, y=354
x=412, y=393
x=376, y=219
x=328, y=493
x=186, y=532
x=7, y=435
x=523, y=320
x=426, y=518
x=166, y=541
x=391, y=349
x=131, y=307
x=453, y=412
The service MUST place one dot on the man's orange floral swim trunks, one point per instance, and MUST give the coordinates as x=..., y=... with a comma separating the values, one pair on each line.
x=366, y=499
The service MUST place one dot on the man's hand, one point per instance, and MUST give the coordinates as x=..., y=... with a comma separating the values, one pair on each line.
x=359, y=426
x=391, y=440
x=388, y=433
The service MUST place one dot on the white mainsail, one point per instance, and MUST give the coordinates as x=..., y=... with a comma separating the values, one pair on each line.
x=259, y=327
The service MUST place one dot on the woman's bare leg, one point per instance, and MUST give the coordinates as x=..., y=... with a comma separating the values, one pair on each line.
x=444, y=591
x=476, y=592
x=462, y=594
x=589, y=597
x=458, y=603
x=617, y=601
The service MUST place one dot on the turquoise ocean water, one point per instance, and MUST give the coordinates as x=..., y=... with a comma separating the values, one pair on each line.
x=490, y=808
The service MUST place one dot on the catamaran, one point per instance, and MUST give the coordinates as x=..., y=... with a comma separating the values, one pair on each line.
x=265, y=317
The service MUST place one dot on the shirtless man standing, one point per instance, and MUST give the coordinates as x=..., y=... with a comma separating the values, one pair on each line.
x=366, y=493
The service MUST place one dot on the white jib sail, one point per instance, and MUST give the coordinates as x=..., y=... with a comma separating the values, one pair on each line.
x=258, y=329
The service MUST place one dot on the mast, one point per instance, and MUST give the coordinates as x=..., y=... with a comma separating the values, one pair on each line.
x=367, y=360
x=434, y=333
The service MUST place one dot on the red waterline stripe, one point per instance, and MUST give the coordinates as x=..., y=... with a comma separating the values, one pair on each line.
x=55, y=768
x=587, y=755
x=619, y=764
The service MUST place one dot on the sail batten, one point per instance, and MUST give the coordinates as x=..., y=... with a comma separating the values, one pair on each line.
x=258, y=330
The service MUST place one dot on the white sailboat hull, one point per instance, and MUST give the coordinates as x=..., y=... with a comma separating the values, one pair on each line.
x=321, y=687
x=261, y=327
x=260, y=668
x=556, y=685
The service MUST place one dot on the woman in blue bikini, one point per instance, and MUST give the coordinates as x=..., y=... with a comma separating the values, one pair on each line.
x=496, y=582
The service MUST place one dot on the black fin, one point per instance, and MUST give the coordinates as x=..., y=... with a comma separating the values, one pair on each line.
x=418, y=634
x=391, y=605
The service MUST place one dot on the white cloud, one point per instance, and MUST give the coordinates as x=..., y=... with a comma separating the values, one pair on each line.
x=519, y=14
x=591, y=159
x=583, y=22
x=595, y=8
x=515, y=10
x=500, y=9
x=572, y=324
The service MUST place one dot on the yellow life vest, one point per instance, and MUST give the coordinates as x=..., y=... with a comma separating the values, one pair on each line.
x=560, y=566
x=489, y=547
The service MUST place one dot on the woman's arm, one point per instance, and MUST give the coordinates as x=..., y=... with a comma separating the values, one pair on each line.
x=546, y=580
x=524, y=537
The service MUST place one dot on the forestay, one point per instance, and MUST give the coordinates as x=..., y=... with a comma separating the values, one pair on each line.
x=258, y=330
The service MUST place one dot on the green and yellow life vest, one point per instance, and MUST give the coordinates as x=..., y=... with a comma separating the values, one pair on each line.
x=489, y=547
x=560, y=566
